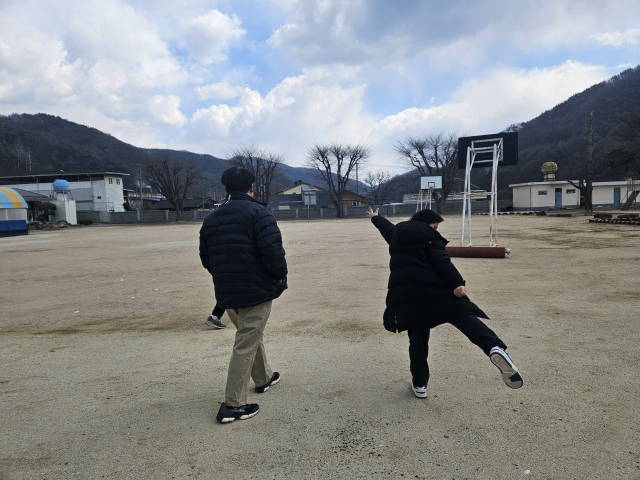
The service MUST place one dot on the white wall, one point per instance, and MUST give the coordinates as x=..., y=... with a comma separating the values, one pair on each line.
x=521, y=197
x=603, y=194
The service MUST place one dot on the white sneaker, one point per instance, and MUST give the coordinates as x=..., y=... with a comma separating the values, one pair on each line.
x=420, y=392
x=502, y=360
x=214, y=322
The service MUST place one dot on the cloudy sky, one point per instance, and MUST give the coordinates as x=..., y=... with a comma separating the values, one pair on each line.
x=207, y=76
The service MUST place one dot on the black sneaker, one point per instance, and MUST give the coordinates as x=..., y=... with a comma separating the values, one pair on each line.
x=274, y=379
x=229, y=414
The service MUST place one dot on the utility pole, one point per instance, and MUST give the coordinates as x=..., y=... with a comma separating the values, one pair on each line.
x=140, y=185
x=357, y=182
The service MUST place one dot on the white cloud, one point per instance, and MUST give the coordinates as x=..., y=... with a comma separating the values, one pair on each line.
x=211, y=35
x=492, y=103
x=300, y=110
x=619, y=39
x=220, y=90
x=457, y=33
x=166, y=109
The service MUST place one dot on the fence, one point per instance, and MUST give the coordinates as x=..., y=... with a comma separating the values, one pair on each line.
x=165, y=216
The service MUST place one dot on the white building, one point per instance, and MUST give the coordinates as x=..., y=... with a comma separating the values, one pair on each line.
x=561, y=194
x=99, y=191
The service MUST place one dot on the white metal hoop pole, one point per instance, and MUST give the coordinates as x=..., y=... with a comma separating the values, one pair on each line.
x=464, y=198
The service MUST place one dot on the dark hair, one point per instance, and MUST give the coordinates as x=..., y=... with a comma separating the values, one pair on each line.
x=427, y=216
x=237, y=179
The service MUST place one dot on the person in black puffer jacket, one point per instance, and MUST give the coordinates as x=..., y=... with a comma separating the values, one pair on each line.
x=241, y=247
x=426, y=290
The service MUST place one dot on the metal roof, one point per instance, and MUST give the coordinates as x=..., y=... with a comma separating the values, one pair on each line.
x=32, y=196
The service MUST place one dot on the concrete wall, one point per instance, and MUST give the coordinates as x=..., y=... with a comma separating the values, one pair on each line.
x=94, y=216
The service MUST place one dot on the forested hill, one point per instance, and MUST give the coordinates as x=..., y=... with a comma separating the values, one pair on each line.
x=57, y=144
x=556, y=135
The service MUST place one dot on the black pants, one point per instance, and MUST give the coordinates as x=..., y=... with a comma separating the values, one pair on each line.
x=470, y=325
x=217, y=311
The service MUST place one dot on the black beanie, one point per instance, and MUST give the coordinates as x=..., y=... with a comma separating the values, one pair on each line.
x=427, y=216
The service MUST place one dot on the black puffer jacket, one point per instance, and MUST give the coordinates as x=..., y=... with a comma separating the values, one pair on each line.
x=241, y=246
x=422, y=278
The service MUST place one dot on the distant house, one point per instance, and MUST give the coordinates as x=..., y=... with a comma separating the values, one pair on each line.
x=297, y=188
x=291, y=198
x=352, y=199
x=187, y=205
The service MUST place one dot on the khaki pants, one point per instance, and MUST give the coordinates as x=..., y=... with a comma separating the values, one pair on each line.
x=248, y=359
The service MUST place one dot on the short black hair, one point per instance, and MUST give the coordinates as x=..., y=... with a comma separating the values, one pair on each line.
x=427, y=216
x=237, y=179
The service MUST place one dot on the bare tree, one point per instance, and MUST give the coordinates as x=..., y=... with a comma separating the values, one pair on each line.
x=379, y=186
x=172, y=178
x=264, y=165
x=432, y=155
x=335, y=163
x=585, y=185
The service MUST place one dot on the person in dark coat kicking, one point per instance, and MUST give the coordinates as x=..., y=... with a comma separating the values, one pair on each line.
x=426, y=290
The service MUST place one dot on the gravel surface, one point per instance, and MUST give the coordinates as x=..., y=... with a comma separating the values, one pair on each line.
x=108, y=371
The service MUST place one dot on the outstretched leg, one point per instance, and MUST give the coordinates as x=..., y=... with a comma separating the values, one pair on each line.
x=482, y=336
x=479, y=334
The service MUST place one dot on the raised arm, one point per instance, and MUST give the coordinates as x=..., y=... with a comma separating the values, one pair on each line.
x=382, y=224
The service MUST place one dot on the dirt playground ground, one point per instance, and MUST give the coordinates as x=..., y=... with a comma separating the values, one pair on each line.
x=108, y=371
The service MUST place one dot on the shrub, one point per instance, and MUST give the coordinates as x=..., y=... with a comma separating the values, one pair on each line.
x=85, y=221
x=47, y=208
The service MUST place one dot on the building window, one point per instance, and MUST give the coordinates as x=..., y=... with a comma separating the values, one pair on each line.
x=542, y=192
x=99, y=197
x=355, y=204
x=117, y=181
x=110, y=181
x=570, y=190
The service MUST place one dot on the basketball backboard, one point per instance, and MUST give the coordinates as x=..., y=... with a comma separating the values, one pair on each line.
x=485, y=159
x=430, y=182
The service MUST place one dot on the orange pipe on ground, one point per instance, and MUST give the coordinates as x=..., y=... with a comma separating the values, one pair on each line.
x=477, y=252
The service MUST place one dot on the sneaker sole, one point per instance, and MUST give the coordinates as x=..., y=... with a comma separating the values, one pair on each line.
x=510, y=375
x=421, y=396
x=267, y=387
x=231, y=419
x=214, y=326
